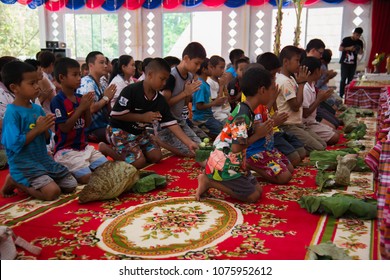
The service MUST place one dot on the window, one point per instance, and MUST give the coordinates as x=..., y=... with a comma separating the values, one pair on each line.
x=179, y=29
x=326, y=23
x=93, y=33
x=19, y=29
x=322, y=23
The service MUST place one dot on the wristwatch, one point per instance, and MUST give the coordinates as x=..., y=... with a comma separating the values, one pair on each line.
x=105, y=98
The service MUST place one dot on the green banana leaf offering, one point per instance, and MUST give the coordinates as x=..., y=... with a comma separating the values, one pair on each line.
x=340, y=205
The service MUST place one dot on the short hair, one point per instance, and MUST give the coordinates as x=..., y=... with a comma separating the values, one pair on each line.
x=4, y=60
x=235, y=54
x=358, y=30
x=288, y=52
x=216, y=59
x=138, y=68
x=327, y=56
x=254, y=78
x=241, y=60
x=204, y=65
x=145, y=63
x=46, y=58
x=91, y=57
x=269, y=60
x=158, y=64
x=12, y=72
x=123, y=60
x=312, y=63
x=33, y=62
x=172, y=60
x=315, y=44
x=194, y=50
x=84, y=66
x=62, y=66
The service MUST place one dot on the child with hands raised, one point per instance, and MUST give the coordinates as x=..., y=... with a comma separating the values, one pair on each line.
x=226, y=167
x=25, y=133
x=73, y=116
x=138, y=107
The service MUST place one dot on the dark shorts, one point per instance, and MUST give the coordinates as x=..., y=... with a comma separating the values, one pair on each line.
x=324, y=113
x=243, y=186
x=286, y=143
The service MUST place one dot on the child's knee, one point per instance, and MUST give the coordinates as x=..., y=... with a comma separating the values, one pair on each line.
x=295, y=158
x=255, y=196
x=51, y=192
x=140, y=162
x=335, y=139
x=284, y=178
x=154, y=156
x=84, y=179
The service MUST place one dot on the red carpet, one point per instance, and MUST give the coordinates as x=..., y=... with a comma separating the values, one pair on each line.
x=274, y=228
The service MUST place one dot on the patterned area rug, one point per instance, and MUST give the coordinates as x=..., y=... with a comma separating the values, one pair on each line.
x=169, y=224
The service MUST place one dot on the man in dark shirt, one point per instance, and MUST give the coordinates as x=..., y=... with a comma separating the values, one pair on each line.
x=350, y=47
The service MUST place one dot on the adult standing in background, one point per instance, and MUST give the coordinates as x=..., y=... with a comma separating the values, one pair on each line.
x=350, y=47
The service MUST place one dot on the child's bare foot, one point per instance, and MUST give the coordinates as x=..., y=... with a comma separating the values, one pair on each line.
x=8, y=188
x=202, y=186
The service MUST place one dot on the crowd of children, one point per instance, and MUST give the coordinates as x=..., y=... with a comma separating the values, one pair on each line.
x=262, y=116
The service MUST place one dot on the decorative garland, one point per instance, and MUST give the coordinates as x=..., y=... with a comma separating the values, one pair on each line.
x=113, y=5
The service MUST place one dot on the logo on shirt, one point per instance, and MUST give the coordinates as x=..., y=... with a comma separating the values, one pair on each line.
x=123, y=101
x=58, y=113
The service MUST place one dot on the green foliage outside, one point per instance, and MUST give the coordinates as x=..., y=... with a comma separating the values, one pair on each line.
x=19, y=31
x=174, y=25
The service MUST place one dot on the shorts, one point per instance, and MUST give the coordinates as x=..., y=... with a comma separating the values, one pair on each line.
x=130, y=145
x=324, y=131
x=80, y=163
x=243, y=186
x=286, y=143
x=168, y=137
x=310, y=140
x=272, y=162
x=211, y=126
x=66, y=182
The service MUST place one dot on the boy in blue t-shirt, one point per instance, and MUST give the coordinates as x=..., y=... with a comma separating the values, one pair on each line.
x=73, y=116
x=202, y=115
x=25, y=133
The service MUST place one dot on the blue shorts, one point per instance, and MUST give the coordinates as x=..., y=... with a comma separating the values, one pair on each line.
x=286, y=143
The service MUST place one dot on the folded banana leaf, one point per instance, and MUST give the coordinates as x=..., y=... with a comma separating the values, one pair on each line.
x=327, y=160
x=340, y=206
x=203, y=153
x=327, y=251
x=148, y=182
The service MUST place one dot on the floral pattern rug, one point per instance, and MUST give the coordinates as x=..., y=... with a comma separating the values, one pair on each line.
x=168, y=223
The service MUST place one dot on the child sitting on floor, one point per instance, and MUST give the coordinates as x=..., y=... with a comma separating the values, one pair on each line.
x=226, y=168
x=73, y=115
x=139, y=105
x=218, y=87
x=291, y=81
x=202, y=115
x=287, y=143
x=233, y=87
x=312, y=99
x=25, y=132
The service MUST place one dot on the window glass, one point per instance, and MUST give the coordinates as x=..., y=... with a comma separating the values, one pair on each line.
x=179, y=29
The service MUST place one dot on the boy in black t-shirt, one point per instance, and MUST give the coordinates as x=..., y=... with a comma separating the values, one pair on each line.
x=138, y=106
x=350, y=47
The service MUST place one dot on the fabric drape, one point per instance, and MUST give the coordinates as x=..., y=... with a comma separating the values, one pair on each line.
x=380, y=29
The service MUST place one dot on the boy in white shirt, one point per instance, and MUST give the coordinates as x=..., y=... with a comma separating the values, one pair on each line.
x=312, y=99
x=291, y=97
x=218, y=87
